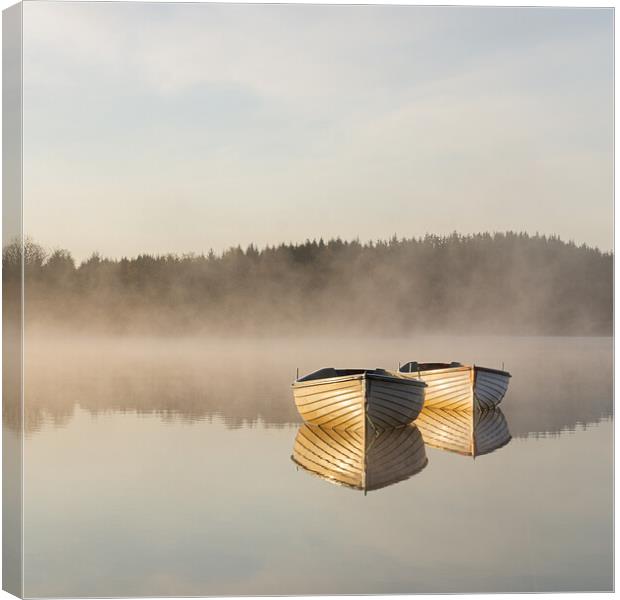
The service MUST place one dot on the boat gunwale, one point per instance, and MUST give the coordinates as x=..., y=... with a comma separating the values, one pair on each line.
x=453, y=370
x=490, y=370
x=436, y=371
x=366, y=375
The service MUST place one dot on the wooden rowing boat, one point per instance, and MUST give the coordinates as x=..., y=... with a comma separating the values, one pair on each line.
x=361, y=460
x=468, y=433
x=352, y=398
x=453, y=386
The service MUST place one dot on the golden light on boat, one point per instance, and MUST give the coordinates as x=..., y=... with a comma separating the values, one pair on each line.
x=353, y=399
x=453, y=386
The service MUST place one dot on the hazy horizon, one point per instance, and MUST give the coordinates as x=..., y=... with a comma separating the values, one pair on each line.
x=49, y=250
x=509, y=283
x=177, y=128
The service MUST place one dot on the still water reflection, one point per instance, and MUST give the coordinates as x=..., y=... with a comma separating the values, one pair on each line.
x=472, y=434
x=359, y=460
x=162, y=467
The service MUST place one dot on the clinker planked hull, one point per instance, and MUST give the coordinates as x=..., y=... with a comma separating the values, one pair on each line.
x=332, y=404
x=459, y=387
x=490, y=387
x=357, y=399
x=393, y=402
x=447, y=388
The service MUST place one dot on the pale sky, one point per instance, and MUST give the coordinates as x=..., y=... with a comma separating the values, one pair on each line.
x=182, y=127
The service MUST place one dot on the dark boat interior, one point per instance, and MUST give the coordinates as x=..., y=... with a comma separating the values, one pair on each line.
x=414, y=367
x=330, y=372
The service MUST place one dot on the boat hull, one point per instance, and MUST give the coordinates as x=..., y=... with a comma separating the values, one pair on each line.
x=447, y=389
x=364, y=461
x=381, y=401
x=489, y=387
x=391, y=404
x=464, y=388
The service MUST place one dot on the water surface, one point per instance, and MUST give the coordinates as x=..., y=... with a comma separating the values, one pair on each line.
x=163, y=467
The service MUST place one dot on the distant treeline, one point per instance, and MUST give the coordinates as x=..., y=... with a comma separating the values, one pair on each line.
x=484, y=283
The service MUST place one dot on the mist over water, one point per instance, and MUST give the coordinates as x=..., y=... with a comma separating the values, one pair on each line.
x=558, y=383
x=500, y=284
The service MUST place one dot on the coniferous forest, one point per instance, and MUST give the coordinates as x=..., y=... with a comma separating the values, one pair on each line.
x=501, y=283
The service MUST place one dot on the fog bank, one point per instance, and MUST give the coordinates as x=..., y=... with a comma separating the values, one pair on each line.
x=502, y=283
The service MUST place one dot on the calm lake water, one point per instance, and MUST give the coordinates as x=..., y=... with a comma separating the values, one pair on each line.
x=163, y=467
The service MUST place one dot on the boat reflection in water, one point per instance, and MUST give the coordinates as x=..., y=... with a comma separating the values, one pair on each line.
x=469, y=433
x=363, y=461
